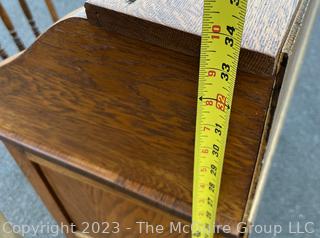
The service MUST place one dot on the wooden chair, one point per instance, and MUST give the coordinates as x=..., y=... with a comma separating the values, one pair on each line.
x=28, y=14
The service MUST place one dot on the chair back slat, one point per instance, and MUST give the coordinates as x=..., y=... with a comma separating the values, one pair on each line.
x=4, y=16
x=7, y=22
x=29, y=16
x=3, y=53
x=52, y=10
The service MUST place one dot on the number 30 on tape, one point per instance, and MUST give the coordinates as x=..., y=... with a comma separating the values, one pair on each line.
x=223, y=22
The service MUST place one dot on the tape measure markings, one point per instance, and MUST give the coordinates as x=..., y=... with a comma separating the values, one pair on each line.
x=223, y=22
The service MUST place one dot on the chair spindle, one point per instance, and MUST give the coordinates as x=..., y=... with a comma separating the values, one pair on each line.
x=29, y=16
x=3, y=53
x=6, y=20
x=26, y=10
x=52, y=10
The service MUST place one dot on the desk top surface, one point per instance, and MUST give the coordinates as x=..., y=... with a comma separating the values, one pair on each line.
x=123, y=112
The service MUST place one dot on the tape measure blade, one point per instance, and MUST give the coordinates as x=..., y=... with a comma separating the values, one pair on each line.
x=223, y=22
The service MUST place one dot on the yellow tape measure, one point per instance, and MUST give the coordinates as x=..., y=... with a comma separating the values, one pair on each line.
x=223, y=22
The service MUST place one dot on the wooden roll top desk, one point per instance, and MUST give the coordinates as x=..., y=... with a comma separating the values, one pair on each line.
x=99, y=114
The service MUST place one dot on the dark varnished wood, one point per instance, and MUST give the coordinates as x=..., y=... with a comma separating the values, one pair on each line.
x=141, y=29
x=266, y=29
x=103, y=204
x=100, y=203
x=122, y=112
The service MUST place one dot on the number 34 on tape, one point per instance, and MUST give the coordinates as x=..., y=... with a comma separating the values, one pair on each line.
x=223, y=22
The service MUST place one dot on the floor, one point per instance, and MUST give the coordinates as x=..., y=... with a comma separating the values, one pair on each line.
x=292, y=193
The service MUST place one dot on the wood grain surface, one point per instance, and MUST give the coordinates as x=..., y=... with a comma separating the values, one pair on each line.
x=100, y=204
x=170, y=38
x=122, y=112
x=266, y=27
